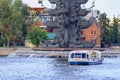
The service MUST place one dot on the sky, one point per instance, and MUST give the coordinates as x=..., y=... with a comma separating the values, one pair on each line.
x=111, y=7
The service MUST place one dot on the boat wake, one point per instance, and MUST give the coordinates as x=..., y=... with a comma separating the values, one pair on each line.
x=24, y=55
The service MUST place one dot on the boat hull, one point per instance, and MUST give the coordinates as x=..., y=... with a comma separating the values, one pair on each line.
x=86, y=62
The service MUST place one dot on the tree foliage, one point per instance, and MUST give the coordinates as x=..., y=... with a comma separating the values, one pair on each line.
x=109, y=29
x=36, y=35
x=115, y=31
x=13, y=14
x=105, y=28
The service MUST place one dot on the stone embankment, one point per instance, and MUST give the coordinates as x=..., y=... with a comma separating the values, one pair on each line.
x=111, y=52
x=65, y=53
x=6, y=51
x=53, y=53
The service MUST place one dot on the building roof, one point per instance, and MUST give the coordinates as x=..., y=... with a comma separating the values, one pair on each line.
x=93, y=20
x=41, y=24
x=85, y=24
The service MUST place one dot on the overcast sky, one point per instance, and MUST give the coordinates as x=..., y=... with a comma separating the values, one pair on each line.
x=111, y=7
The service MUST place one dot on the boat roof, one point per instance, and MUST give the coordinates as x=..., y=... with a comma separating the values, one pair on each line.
x=85, y=51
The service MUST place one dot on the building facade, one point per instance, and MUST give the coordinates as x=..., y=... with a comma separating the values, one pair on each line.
x=92, y=33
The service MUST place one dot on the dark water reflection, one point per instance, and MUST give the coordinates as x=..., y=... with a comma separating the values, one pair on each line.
x=56, y=69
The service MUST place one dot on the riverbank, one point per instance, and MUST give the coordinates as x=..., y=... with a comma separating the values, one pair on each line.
x=52, y=53
x=6, y=51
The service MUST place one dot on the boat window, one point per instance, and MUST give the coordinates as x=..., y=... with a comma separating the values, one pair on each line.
x=72, y=55
x=94, y=55
x=83, y=55
x=77, y=55
x=87, y=56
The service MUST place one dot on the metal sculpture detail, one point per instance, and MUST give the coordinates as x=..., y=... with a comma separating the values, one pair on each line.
x=69, y=20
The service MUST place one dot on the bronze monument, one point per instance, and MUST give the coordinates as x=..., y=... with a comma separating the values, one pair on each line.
x=68, y=22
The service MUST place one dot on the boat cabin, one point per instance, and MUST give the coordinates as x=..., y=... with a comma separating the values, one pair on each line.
x=84, y=55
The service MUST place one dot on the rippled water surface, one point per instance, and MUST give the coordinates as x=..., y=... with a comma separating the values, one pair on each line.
x=12, y=68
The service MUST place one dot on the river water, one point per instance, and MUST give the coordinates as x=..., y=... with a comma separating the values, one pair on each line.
x=23, y=68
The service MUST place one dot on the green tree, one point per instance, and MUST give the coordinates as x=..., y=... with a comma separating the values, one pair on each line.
x=18, y=20
x=5, y=13
x=105, y=28
x=36, y=35
x=13, y=15
x=114, y=31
